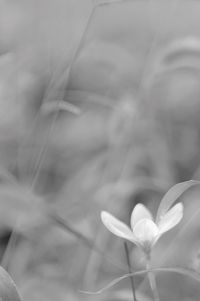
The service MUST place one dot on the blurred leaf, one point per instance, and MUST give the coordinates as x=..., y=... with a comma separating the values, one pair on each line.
x=182, y=52
x=59, y=105
x=8, y=289
x=172, y=195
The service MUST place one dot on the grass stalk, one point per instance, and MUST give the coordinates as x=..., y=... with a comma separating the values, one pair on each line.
x=152, y=280
x=130, y=270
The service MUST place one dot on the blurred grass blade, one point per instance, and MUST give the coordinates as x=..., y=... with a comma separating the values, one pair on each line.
x=186, y=272
x=182, y=271
x=8, y=289
x=181, y=49
x=172, y=195
x=60, y=105
x=59, y=221
x=109, y=2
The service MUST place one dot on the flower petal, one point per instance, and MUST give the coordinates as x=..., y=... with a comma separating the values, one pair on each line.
x=145, y=231
x=140, y=212
x=171, y=218
x=116, y=226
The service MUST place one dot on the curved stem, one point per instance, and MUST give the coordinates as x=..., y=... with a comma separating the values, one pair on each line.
x=152, y=281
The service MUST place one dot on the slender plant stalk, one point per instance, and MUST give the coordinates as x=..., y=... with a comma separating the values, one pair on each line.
x=110, y=2
x=152, y=281
x=63, y=224
x=130, y=271
x=180, y=271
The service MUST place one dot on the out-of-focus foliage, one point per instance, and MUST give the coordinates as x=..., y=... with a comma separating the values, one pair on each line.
x=103, y=128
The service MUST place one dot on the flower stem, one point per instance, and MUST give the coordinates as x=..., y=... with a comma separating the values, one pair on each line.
x=152, y=281
x=130, y=271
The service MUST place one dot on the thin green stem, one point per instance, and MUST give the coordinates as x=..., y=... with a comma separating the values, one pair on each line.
x=181, y=271
x=63, y=224
x=152, y=281
x=129, y=269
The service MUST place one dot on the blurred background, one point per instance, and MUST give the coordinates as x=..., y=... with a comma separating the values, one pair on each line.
x=99, y=110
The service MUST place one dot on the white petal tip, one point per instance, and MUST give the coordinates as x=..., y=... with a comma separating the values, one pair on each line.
x=171, y=218
x=145, y=230
x=178, y=208
x=140, y=206
x=116, y=226
x=140, y=212
x=104, y=216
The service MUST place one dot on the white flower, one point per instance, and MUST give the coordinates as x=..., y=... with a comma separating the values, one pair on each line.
x=144, y=232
